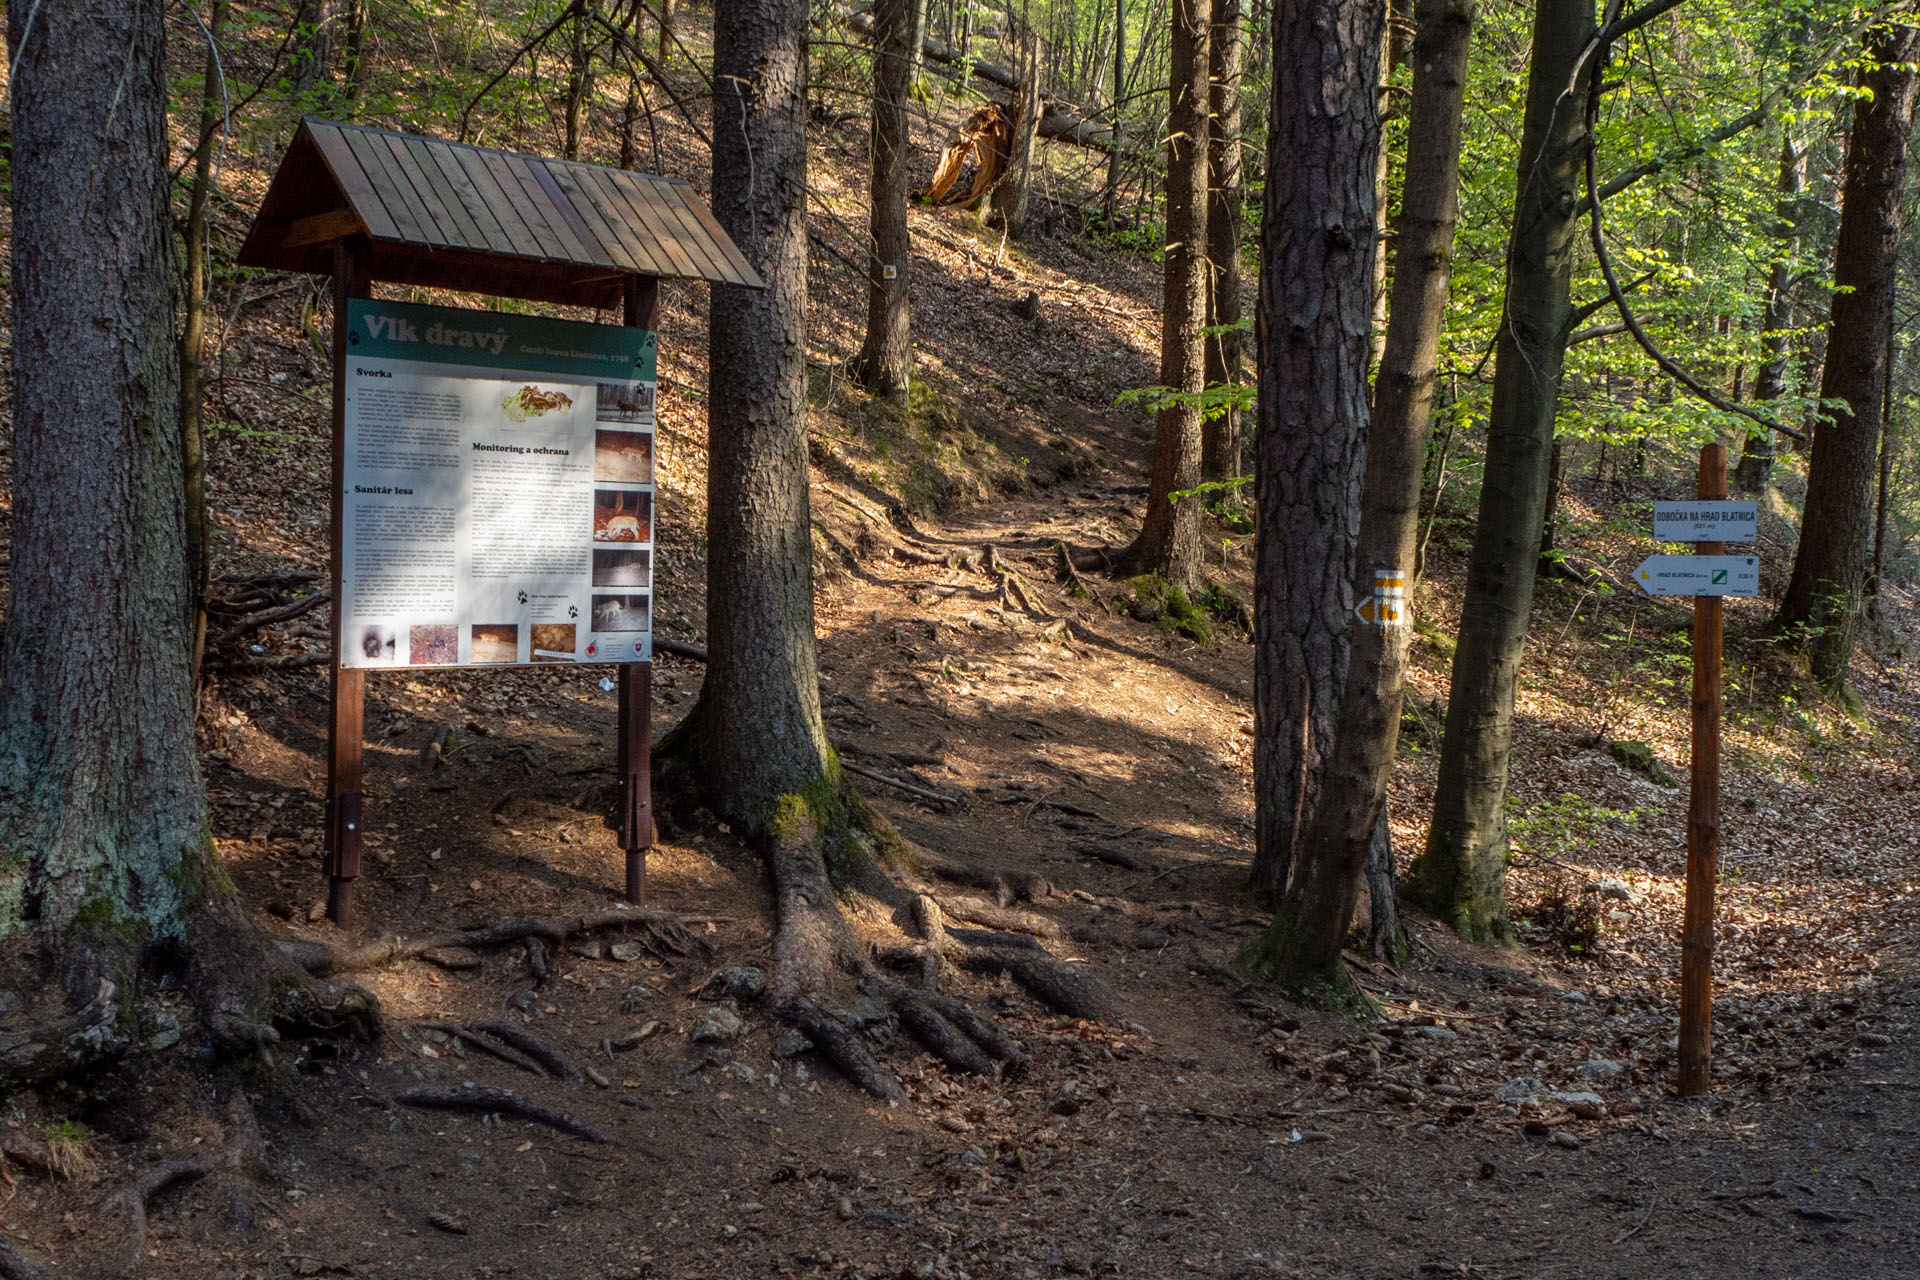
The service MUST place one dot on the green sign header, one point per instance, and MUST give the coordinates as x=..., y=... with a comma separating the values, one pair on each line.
x=491, y=340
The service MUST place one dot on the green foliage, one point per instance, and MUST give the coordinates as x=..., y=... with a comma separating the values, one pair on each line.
x=1555, y=829
x=1215, y=401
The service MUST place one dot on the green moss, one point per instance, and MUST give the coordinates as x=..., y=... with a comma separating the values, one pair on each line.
x=1169, y=608
x=101, y=916
x=1439, y=641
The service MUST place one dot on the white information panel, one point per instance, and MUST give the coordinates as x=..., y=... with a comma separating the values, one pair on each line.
x=1705, y=521
x=498, y=501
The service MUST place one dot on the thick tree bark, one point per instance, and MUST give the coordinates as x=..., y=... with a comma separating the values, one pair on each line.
x=1016, y=183
x=312, y=43
x=1461, y=876
x=1169, y=540
x=755, y=733
x=885, y=361
x=104, y=855
x=1756, y=459
x=1220, y=453
x=101, y=808
x=1316, y=310
x=1829, y=569
x=1347, y=829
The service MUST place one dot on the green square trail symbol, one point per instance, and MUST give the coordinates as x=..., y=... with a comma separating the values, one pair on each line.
x=1719, y=576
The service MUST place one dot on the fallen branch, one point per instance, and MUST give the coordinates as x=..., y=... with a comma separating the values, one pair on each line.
x=679, y=649
x=278, y=662
x=501, y=1102
x=669, y=930
x=267, y=617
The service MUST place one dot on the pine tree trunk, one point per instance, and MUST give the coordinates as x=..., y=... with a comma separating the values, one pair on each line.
x=1347, y=835
x=1317, y=244
x=1461, y=876
x=1829, y=569
x=755, y=733
x=885, y=361
x=1756, y=459
x=101, y=808
x=1220, y=454
x=1169, y=540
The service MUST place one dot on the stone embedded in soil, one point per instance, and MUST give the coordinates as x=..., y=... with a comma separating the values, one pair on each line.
x=1588, y=1106
x=1599, y=1071
x=1437, y=1033
x=625, y=952
x=719, y=1026
x=1561, y=1138
x=745, y=983
x=1522, y=1090
x=790, y=1043
x=634, y=997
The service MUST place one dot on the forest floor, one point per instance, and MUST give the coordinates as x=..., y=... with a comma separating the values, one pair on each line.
x=1501, y=1112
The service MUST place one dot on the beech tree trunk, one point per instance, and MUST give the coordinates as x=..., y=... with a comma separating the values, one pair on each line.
x=1756, y=459
x=1461, y=875
x=1119, y=95
x=885, y=361
x=755, y=733
x=1317, y=244
x=1010, y=195
x=1302, y=947
x=1830, y=567
x=1220, y=454
x=1169, y=540
x=579, y=78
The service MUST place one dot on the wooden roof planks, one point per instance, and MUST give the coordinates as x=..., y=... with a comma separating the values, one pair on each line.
x=451, y=216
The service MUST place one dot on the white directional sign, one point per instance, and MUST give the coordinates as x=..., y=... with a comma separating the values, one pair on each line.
x=1702, y=521
x=1699, y=575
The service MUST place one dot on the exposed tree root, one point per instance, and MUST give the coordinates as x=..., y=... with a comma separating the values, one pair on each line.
x=132, y=1200
x=547, y=1055
x=501, y=1102
x=505, y=1053
x=1055, y=984
x=69, y=1044
x=16, y=1265
x=1008, y=886
x=977, y=911
x=843, y=1047
x=661, y=931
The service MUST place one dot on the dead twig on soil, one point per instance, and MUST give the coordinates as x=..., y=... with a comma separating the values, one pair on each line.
x=664, y=930
x=918, y=792
x=501, y=1102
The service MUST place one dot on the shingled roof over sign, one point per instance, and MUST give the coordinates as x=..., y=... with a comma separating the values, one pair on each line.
x=452, y=216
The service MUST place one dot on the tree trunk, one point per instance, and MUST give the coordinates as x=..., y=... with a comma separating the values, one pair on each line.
x=666, y=31
x=579, y=78
x=312, y=43
x=885, y=361
x=1461, y=875
x=1169, y=540
x=1010, y=195
x=916, y=41
x=1119, y=95
x=755, y=733
x=354, y=72
x=1829, y=569
x=104, y=855
x=1877, y=565
x=1756, y=459
x=1220, y=454
x=1347, y=835
x=193, y=341
x=1316, y=310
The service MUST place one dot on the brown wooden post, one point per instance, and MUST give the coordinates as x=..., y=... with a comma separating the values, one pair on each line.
x=633, y=766
x=346, y=697
x=1703, y=814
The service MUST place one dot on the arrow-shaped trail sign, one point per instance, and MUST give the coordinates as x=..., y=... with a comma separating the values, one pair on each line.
x=1699, y=575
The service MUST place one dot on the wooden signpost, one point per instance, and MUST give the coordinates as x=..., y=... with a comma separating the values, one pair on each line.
x=1713, y=517
x=367, y=205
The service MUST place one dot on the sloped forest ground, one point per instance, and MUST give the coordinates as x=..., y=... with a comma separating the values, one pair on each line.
x=1502, y=1113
